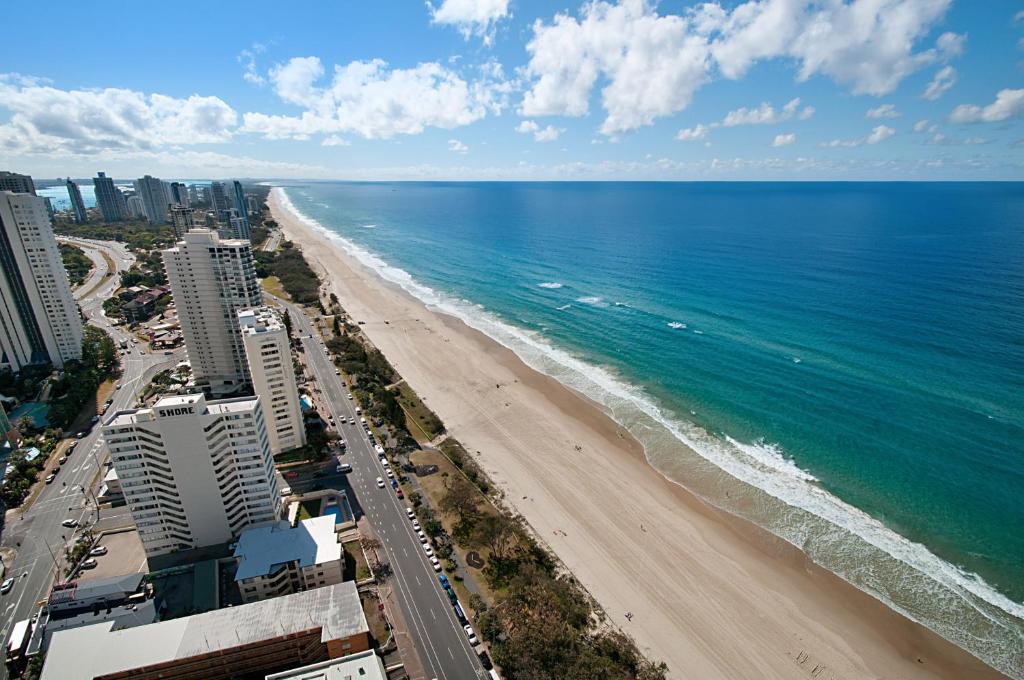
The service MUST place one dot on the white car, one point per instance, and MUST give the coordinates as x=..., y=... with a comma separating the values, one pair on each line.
x=391, y=475
x=435, y=564
x=6, y=586
x=416, y=525
x=69, y=523
x=471, y=635
x=423, y=537
x=286, y=491
x=427, y=549
x=89, y=564
x=380, y=483
x=345, y=467
x=385, y=463
x=410, y=513
x=98, y=550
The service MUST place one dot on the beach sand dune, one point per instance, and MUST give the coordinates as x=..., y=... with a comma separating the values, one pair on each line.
x=711, y=595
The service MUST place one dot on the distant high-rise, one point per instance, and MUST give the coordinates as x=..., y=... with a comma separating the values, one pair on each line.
x=109, y=199
x=77, y=204
x=252, y=204
x=135, y=206
x=19, y=184
x=39, y=320
x=154, y=198
x=212, y=280
x=179, y=195
x=234, y=226
x=183, y=219
x=268, y=352
x=240, y=206
x=219, y=202
x=194, y=472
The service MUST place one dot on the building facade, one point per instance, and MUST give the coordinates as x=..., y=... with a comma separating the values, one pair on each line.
x=109, y=199
x=19, y=184
x=194, y=472
x=268, y=354
x=77, y=204
x=154, y=198
x=179, y=195
x=241, y=206
x=211, y=281
x=279, y=559
x=218, y=198
x=39, y=320
x=183, y=219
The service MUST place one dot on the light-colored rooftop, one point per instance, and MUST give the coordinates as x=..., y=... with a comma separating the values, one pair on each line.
x=364, y=665
x=259, y=549
x=96, y=650
x=259, y=320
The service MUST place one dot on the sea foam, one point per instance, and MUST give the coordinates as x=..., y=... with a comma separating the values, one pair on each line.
x=550, y=284
x=922, y=586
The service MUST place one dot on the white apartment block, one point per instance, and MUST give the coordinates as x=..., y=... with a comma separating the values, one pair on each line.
x=279, y=559
x=273, y=376
x=194, y=472
x=39, y=320
x=211, y=281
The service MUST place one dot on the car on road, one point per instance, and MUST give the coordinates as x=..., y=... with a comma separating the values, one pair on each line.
x=89, y=564
x=6, y=586
x=62, y=460
x=50, y=477
x=380, y=483
x=423, y=537
x=80, y=435
x=391, y=475
x=69, y=523
x=350, y=397
x=416, y=525
x=401, y=496
x=427, y=549
x=292, y=474
x=444, y=582
x=435, y=563
x=410, y=513
x=98, y=550
x=345, y=467
x=471, y=635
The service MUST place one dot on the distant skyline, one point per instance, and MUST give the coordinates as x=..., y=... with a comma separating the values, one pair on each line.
x=518, y=89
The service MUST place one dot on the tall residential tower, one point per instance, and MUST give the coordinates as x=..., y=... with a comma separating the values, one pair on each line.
x=109, y=199
x=77, y=204
x=154, y=198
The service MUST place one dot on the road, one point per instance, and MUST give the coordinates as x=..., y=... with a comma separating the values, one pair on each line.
x=440, y=641
x=38, y=531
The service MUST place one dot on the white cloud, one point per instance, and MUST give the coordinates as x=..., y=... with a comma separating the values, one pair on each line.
x=877, y=134
x=47, y=119
x=766, y=114
x=652, y=64
x=457, y=146
x=369, y=99
x=693, y=134
x=471, y=17
x=545, y=134
x=784, y=140
x=335, y=140
x=921, y=125
x=883, y=111
x=1008, y=104
x=943, y=79
x=247, y=58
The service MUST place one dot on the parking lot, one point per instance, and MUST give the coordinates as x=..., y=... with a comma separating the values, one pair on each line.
x=124, y=556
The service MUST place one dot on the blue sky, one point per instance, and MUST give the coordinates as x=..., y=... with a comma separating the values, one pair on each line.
x=517, y=89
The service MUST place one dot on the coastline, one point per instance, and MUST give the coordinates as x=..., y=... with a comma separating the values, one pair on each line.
x=712, y=595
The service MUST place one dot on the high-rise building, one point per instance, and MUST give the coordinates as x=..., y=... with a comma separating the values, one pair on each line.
x=19, y=184
x=212, y=280
x=268, y=352
x=39, y=320
x=135, y=206
x=183, y=219
x=179, y=195
x=77, y=204
x=240, y=206
x=252, y=204
x=194, y=472
x=193, y=194
x=235, y=226
x=219, y=202
x=154, y=198
x=109, y=198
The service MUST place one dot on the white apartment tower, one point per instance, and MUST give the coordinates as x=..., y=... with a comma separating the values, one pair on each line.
x=194, y=472
x=273, y=376
x=211, y=281
x=39, y=320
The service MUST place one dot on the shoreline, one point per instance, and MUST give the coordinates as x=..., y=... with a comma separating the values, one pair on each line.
x=712, y=595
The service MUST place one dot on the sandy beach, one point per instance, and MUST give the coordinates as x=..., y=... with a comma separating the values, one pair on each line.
x=711, y=595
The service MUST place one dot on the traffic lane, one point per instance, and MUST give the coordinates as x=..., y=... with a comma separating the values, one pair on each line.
x=406, y=552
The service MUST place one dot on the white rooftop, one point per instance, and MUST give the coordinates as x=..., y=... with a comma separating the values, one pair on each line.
x=261, y=548
x=95, y=650
x=259, y=320
x=364, y=665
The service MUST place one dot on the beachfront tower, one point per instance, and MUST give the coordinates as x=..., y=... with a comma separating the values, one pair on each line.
x=39, y=320
x=241, y=207
x=269, y=355
x=19, y=184
x=109, y=199
x=194, y=472
x=211, y=281
x=77, y=204
x=154, y=198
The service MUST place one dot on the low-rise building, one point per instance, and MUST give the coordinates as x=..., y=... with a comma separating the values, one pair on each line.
x=364, y=666
x=244, y=641
x=279, y=559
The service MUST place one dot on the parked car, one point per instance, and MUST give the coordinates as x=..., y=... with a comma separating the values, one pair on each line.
x=286, y=491
x=430, y=551
x=435, y=563
x=89, y=564
x=471, y=635
x=423, y=538
x=98, y=550
x=6, y=586
x=380, y=483
x=391, y=475
x=398, y=492
x=291, y=474
x=69, y=523
x=444, y=582
x=62, y=460
x=410, y=513
x=416, y=525
x=50, y=477
x=345, y=467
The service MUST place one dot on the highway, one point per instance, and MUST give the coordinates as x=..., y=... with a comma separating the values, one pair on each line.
x=38, y=531
x=438, y=637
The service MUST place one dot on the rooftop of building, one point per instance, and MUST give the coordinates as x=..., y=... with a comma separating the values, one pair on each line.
x=132, y=416
x=115, y=586
x=96, y=650
x=364, y=665
x=259, y=320
x=260, y=549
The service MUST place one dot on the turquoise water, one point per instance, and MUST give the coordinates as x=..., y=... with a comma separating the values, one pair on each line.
x=850, y=355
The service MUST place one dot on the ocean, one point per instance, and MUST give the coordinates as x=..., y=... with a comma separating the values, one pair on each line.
x=846, y=359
